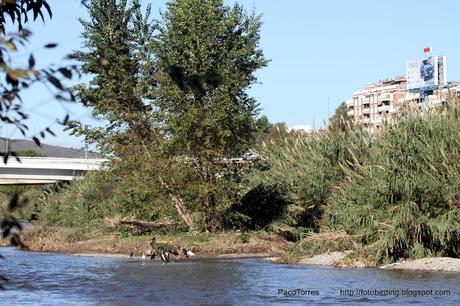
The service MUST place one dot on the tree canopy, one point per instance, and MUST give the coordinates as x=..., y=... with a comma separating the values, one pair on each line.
x=112, y=50
x=207, y=55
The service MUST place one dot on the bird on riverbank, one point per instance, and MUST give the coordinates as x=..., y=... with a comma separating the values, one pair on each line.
x=164, y=255
x=187, y=253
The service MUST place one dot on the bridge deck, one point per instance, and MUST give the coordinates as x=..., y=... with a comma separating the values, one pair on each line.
x=42, y=170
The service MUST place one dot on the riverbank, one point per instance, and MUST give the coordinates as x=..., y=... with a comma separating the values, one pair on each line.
x=225, y=244
x=207, y=245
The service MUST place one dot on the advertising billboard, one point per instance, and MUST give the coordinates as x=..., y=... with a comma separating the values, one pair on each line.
x=426, y=73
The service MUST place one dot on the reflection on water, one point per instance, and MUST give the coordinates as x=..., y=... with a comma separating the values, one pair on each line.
x=41, y=278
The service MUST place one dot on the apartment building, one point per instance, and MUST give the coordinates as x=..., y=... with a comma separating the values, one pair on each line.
x=387, y=100
x=378, y=102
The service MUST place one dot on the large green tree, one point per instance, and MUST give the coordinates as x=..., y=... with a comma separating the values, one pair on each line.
x=113, y=53
x=207, y=54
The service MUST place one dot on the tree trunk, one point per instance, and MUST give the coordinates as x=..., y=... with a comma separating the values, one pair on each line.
x=211, y=215
x=182, y=211
x=177, y=200
x=180, y=206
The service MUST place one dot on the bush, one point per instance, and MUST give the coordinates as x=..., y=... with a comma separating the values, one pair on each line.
x=98, y=199
x=258, y=208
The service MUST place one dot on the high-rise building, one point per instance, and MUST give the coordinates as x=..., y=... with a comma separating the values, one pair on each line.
x=376, y=103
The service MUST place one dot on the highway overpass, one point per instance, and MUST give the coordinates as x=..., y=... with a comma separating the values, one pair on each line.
x=45, y=170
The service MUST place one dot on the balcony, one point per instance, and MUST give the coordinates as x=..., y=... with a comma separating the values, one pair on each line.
x=383, y=108
x=366, y=110
x=351, y=112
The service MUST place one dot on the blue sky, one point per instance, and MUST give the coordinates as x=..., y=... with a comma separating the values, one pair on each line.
x=320, y=51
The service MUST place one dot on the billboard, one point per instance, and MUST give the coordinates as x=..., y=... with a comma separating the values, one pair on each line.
x=427, y=73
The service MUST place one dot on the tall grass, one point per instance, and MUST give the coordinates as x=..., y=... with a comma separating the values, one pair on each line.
x=309, y=168
x=403, y=201
x=397, y=194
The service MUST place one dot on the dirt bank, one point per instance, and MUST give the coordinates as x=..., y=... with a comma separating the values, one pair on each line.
x=228, y=244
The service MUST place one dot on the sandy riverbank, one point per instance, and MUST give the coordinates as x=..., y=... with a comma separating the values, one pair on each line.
x=441, y=264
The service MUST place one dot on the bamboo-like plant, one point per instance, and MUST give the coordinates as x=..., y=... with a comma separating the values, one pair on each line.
x=404, y=199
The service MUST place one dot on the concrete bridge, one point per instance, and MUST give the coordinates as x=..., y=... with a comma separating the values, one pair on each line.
x=45, y=170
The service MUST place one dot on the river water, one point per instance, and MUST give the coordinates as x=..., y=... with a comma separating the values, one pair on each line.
x=56, y=279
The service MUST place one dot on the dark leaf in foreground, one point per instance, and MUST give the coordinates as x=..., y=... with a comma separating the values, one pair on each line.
x=56, y=83
x=66, y=119
x=65, y=72
x=31, y=62
x=50, y=131
x=37, y=141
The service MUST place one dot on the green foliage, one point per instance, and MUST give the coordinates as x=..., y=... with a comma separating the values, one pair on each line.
x=208, y=54
x=78, y=204
x=403, y=199
x=97, y=201
x=29, y=195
